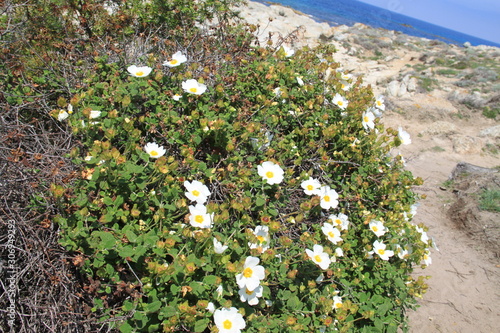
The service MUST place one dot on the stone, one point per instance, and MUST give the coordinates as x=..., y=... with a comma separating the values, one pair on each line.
x=393, y=88
x=490, y=132
x=440, y=127
x=466, y=144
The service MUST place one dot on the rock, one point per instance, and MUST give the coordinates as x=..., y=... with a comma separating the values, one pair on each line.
x=490, y=132
x=412, y=84
x=466, y=144
x=464, y=168
x=440, y=127
x=402, y=89
x=393, y=88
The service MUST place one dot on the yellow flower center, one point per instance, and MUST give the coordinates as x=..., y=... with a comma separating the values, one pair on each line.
x=331, y=234
x=379, y=103
x=227, y=324
x=317, y=258
x=248, y=292
x=269, y=174
x=199, y=218
x=365, y=119
x=381, y=251
x=247, y=272
x=195, y=193
x=340, y=103
x=261, y=239
x=374, y=228
x=338, y=305
x=139, y=73
x=338, y=221
x=173, y=61
x=153, y=153
x=193, y=90
x=326, y=198
x=310, y=187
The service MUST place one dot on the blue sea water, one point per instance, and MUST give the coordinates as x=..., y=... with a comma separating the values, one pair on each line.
x=349, y=12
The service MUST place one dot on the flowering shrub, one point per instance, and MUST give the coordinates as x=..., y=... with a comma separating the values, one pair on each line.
x=258, y=195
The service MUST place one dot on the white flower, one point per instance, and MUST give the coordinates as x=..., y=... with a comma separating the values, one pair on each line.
x=199, y=217
x=332, y=233
x=340, y=220
x=94, y=114
x=177, y=59
x=377, y=227
x=423, y=235
x=271, y=172
x=346, y=76
x=251, y=275
x=277, y=91
x=210, y=307
x=340, y=101
x=262, y=234
x=376, y=112
x=368, y=120
x=229, y=320
x=337, y=302
x=339, y=252
x=402, y=253
x=139, y=71
x=404, y=136
x=62, y=115
x=250, y=296
x=288, y=51
x=196, y=191
x=311, y=186
x=154, y=150
x=177, y=97
x=218, y=247
x=300, y=81
x=88, y=158
x=328, y=197
x=427, y=257
x=379, y=248
x=319, y=257
x=345, y=85
x=320, y=278
x=194, y=87
x=219, y=291
x=379, y=103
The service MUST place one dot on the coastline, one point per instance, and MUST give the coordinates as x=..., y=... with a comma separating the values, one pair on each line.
x=376, y=17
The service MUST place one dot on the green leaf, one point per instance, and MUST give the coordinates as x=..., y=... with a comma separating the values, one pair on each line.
x=128, y=306
x=126, y=328
x=108, y=241
x=153, y=307
x=209, y=279
x=168, y=311
x=201, y=325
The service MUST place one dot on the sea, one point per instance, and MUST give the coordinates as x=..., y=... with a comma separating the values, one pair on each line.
x=349, y=12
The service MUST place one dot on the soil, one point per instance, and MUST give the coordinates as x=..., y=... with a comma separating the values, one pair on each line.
x=464, y=277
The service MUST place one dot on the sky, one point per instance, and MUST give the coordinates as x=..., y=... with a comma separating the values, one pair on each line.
x=478, y=18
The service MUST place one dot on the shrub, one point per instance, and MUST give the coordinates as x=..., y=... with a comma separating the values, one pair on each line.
x=135, y=233
x=158, y=255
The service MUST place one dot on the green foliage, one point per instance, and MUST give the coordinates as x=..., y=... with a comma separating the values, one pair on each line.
x=130, y=216
x=126, y=214
x=491, y=113
x=490, y=200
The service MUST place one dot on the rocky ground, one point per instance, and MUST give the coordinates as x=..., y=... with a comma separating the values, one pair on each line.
x=447, y=97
